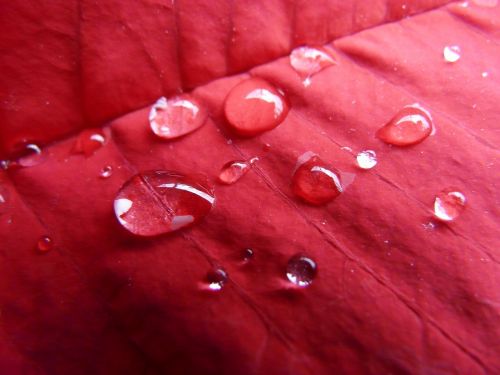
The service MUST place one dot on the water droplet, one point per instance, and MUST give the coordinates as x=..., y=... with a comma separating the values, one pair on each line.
x=216, y=279
x=4, y=199
x=308, y=61
x=314, y=181
x=4, y=164
x=451, y=54
x=366, y=159
x=254, y=106
x=484, y=74
x=301, y=270
x=232, y=171
x=486, y=3
x=411, y=125
x=157, y=202
x=266, y=147
x=177, y=116
x=429, y=226
x=31, y=155
x=449, y=204
x=45, y=244
x=106, y=171
x=89, y=141
x=247, y=254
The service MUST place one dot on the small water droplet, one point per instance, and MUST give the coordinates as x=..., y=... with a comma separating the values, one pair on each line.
x=248, y=254
x=307, y=61
x=484, y=74
x=216, y=279
x=4, y=199
x=451, y=54
x=411, y=125
x=31, y=155
x=429, y=226
x=232, y=171
x=4, y=164
x=254, y=106
x=45, y=244
x=346, y=148
x=156, y=202
x=301, y=270
x=89, y=141
x=366, y=159
x=106, y=171
x=266, y=147
x=449, y=204
x=174, y=117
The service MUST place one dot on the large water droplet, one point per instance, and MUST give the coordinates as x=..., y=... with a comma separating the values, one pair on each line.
x=31, y=155
x=314, y=181
x=411, y=125
x=156, y=202
x=366, y=159
x=232, y=171
x=451, y=54
x=254, y=106
x=301, y=270
x=89, y=141
x=106, y=171
x=449, y=204
x=45, y=244
x=308, y=61
x=216, y=279
x=174, y=117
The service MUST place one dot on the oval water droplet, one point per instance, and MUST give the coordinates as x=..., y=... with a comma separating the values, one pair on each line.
x=449, y=204
x=301, y=270
x=451, y=54
x=216, y=279
x=232, y=171
x=307, y=61
x=106, y=171
x=314, y=181
x=411, y=125
x=486, y=3
x=31, y=155
x=177, y=116
x=254, y=106
x=45, y=244
x=248, y=254
x=4, y=199
x=157, y=202
x=366, y=159
x=89, y=141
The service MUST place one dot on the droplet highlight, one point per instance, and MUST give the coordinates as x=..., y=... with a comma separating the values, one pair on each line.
x=232, y=171
x=31, y=155
x=248, y=254
x=451, y=54
x=449, y=204
x=175, y=117
x=216, y=279
x=45, y=244
x=157, y=202
x=366, y=159
x=4, y=198
x=486, y=3
x=254, y=106
x=89, y=141
x=106, y=171
x=411, y=125
x=307, y=61
x=301, y=270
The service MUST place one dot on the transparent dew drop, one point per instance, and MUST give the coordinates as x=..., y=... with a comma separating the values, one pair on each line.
x=89, y=141
x=32, y=155
x=4, y=164
x=44, y=244
x=451, y=54
x=106, y=171
x=449, y=204
x=301, y=270
x=248, y=254
x=177, y=116
x=307, y=61
x=216, y=279
x=366, y=159
x=232, y=171
x=266, y=147
x=411, y=125
x=157, y=202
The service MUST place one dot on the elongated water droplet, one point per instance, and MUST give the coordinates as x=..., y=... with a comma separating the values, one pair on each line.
x=411, y=125
x=216, y=279
x=89, y=141
x=308, y=61
x=31, y=155
x=44, y=244
x=366, y=159
x=232, y=171
x=301, y=270
x=451, y=54
x=254, y=106
x=314, y=181
x=157, y=202
x=248, y=254
x=174, y=117
x=449, y=204
x=106, y=171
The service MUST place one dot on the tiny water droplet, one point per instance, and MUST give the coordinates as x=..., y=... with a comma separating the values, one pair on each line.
x=366, y=159
x=307, y=61
x=89, y=141
x=31, y=155
x=232, y=171
x=301, y=270
x=248, y=254
x=216, y=279
x=177, y=116
x=4, y=164
x=4, y=199
x=254, y=106
x=106, y=171
x=266, y=147
x=429, y=226
x=156, y=202
x=411, y=125
x=449, y=204
x=451, y=54
x=45, y=244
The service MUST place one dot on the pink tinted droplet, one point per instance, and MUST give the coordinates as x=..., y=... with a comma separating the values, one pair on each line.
x=254, y=106
x=248, y=254
x=31, y=155
x=4, y=199
x=301, y=270
x=449, y=204
x=177, y=116
x=216, y=278
x=89, y=141
x=44, y=244
x=307, y=61
x=411, y=125
x=486, y=3
x=106, y=171
x=314, y=181
x=232, y=171
x=156, y=202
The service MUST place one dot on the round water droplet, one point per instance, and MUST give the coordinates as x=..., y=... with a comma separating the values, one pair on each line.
x=484, y=74
x=31, y=155
x=411, y=125
x=314, y=181
x=4, y=199
x=486, y=3
x=106, y=171
x=254, y=106
x=45, y=244
x=89, y=141
x=232, y=171
x=301, y=270
x=307, y=61
x=451, y=54
x=449, y=204
x=266, y=147
x=366, y=159
x=4, y=164
x=157, y=202
x=174, y=117
x=216, y=279
x=247, y=254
